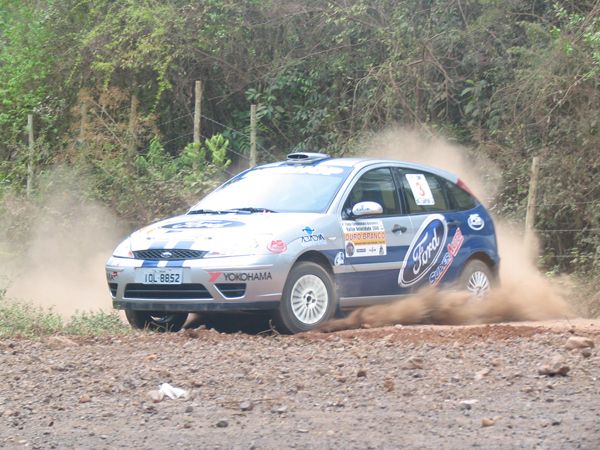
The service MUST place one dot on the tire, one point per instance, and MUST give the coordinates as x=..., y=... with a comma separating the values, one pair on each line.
x=476, y=278
x=155, y=321
x=308, y=299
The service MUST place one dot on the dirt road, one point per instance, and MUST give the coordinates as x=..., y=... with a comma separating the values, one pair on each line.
x=395, y=387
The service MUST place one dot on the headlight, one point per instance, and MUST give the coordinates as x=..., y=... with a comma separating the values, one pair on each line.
x=123, y=250
x=239, y=248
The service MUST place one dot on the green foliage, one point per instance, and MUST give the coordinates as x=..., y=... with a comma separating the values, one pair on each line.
x=96, y=323
x=26, y=320
x=22, y=319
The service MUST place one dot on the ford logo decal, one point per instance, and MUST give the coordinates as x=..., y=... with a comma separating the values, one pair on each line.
x=166, y=255
x=424, y=251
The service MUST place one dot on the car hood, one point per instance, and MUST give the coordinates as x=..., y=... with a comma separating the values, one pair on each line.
x=216, y=232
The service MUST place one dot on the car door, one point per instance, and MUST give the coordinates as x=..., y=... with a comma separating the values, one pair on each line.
x=439, y=230
x=375, y=245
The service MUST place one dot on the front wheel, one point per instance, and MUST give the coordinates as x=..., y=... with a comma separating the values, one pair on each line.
x=476, y=278
x=308, y=299
x=155, y=321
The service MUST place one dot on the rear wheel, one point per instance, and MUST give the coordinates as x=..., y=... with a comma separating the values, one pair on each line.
x=476, y=278
x=155, y=321
x=308, y=299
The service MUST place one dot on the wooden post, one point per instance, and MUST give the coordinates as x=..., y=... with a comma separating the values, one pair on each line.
x=252, y=135
x=30, y=159
x=197, y=111
x=531, y=204
x=83, y=125
x=133, y=125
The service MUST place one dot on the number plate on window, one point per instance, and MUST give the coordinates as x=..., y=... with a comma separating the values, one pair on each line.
x=159, y=276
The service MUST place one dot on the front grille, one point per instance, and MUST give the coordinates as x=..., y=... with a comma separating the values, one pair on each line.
x=232, y=290
x=169, y=254
x=113, y=289
x=164, y=291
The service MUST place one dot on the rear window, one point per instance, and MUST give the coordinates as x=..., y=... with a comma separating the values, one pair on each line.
x=460, y=199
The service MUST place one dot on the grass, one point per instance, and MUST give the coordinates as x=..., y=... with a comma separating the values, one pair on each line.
x=22, y=319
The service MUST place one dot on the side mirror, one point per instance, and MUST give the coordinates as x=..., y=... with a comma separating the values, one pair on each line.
x=366, y=209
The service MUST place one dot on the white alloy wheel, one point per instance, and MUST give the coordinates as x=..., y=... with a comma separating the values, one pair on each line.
x=476, y=278
x=478, y=284
x=309, y=299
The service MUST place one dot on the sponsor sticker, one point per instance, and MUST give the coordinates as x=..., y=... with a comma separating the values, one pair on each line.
x=364, y=238
x=113, y=275
x=448, y=258
x=277, y=246
x=420, y=189
x=339, y=259
x=424, y=251
x=475, y=222
x=239, y=276
x=311, y=237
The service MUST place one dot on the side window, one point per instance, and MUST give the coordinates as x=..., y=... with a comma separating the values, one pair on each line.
x=423, y=192
x=460, y=200
x=375, y=186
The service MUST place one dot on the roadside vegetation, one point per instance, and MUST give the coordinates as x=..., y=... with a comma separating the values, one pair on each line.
x=23, y=319
x=111, y=87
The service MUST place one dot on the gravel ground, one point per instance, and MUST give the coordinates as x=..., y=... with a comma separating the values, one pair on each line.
x=396, y=387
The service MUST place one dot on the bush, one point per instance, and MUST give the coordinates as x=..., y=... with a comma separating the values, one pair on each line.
x=19, y=319
x=23, y=319
x=96, y=323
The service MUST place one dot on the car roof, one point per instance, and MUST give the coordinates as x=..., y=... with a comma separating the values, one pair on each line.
x=362, y=162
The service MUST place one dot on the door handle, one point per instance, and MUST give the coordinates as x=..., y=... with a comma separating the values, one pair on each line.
x=396, y=228
x=454, y=223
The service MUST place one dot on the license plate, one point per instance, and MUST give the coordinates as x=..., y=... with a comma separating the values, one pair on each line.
x=159, y=276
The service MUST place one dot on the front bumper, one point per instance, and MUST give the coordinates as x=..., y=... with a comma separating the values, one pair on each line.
x=223, y=284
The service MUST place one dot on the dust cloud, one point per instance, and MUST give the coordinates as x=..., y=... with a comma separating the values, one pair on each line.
x=524, y=293
x=57, y=248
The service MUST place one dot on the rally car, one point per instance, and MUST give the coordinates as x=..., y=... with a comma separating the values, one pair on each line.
x=305, y=239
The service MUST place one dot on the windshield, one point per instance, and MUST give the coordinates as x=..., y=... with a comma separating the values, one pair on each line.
x=278, y=189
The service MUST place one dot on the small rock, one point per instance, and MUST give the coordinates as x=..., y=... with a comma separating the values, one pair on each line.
x=586, y=353
x=389, y=385
x=579, y=342
x=156, y=396
x=487, y=422
x=414, y=362
x=279, y=409
x=58, y=342
x=455, y=378
x=189, y=409
x=556, y=366
x=246, y=406
x=467, y=404
x=85, y=399
x=187, y=425
x=341, y=379
x=151, y=357
x=223, y=423
x=362, y=373
x=482, y=373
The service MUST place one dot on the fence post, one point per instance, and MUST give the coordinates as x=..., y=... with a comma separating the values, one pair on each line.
x=197, y=111
x=30, y=158
x=531, y=204
x=252, y=135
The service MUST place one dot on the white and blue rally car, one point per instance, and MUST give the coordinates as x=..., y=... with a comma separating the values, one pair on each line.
x=304, y=239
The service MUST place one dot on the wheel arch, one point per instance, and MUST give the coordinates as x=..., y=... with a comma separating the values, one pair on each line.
x=487, y=260
x=318, y=258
